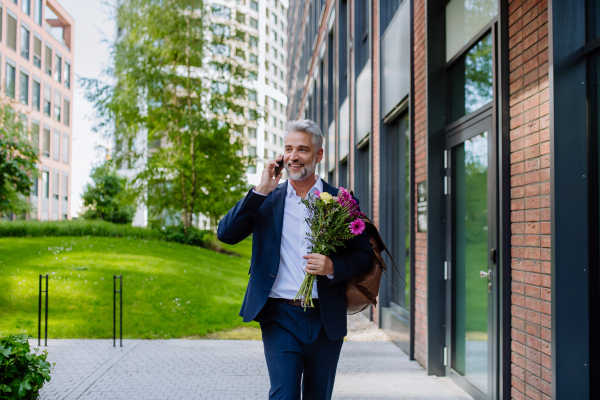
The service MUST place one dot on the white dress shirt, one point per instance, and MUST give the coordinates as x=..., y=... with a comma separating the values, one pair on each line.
x=294, y=245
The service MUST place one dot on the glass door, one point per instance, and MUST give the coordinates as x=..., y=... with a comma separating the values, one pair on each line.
x=472, y=258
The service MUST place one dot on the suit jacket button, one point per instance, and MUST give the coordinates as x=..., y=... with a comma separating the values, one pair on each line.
x=272, y=276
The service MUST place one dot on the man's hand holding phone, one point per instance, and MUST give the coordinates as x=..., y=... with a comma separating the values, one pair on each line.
x=270, y=176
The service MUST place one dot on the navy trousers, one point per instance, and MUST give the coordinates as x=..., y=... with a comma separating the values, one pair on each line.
x=300, y=356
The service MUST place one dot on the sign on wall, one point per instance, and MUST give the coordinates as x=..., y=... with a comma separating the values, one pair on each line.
x=422, y=206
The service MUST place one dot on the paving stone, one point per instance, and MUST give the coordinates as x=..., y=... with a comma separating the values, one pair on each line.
x=224, y=369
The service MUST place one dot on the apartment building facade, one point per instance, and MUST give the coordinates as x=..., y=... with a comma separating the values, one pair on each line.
x=262, y=25
x=37, y=54
x=469, y=132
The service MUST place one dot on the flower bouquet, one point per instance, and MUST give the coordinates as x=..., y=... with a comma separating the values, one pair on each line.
x=332, y=220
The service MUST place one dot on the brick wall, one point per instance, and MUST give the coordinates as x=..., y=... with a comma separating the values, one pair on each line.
x=375, y=178
x=420, y=145
x=530, y=199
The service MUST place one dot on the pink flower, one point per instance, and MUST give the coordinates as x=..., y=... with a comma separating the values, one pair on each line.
x=317, y=193
x=357, y=227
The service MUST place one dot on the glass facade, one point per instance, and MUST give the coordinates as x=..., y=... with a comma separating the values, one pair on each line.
x=470, y=325
x=471, y=79
x=464, y=20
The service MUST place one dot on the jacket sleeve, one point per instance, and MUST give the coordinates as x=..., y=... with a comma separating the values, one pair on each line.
x=357, y=258
x=238, y=224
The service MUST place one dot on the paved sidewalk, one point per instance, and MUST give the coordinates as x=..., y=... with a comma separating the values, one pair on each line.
x=223, y=369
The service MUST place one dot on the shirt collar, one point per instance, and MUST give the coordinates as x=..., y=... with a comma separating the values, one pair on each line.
x=317, y=186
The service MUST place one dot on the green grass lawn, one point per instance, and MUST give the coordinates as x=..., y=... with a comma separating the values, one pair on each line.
x=170, y=290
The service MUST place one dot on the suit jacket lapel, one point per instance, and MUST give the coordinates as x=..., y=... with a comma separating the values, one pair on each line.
x=278, y=202
x=329, y=189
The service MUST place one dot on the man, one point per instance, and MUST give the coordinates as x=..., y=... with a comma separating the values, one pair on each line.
x=302, y=348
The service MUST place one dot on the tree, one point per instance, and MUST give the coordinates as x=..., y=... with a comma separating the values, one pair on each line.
x=176, y=82
x=18, y=161
x=108, y=198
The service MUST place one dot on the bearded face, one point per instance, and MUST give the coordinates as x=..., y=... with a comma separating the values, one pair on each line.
x=300, y=158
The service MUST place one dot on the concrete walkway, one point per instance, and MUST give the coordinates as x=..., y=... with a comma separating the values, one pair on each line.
x=223, y=369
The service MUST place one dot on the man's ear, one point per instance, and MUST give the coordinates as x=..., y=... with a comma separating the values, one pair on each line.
x=320, y=155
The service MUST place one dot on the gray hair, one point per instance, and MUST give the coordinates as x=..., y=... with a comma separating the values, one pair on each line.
x=306, y=126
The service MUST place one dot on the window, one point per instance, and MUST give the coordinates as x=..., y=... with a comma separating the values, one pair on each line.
x=57, y=106
x=274, y=122
x=55, y=187
x=253, y=41
x=45, y=184
x=1, y=9
x=471, y=79
x=35, y=133
x=281, y=125
x=240, y=35
x=252, y=151
x=10, y=80
x=274, y=138
x=240, y=55
x=266, y=136
x=48, y=60
x=253, y=23
x=26, y=6
x=254, y=5
x=266, y=153
x=252, y=96
x=37, y=51
x=464, y=21
x=221, y=49
x=47, y=100
x=252, y=133
x=57, y=68
x=274, y=36
x=11, y=30
x=46, y=142
x=252, y=75
x=240, y=17
x=24, y=42
x=65, y=189
x=221, y=11
x=275, y=19
x=67, y=75
x=38, y=12
x=24, y=89
x=254, y=59
x=274, y=52
x=65, y=149
x=66, y=111
x=56, y=145
x=36, y=95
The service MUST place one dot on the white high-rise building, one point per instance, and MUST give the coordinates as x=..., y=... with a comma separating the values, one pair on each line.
x=267, y=21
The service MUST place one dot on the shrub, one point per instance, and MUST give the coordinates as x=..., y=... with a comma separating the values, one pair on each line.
x=22, y=372
x=195, y=237
x=74, y=228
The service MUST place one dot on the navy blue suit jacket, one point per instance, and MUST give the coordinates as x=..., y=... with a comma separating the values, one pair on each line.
x=262, y=216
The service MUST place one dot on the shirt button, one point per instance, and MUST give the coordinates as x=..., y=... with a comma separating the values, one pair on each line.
x=272, y=276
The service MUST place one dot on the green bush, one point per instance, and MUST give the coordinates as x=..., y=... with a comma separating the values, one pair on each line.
x=74, y=228
x=195, y=237
x=22, y=372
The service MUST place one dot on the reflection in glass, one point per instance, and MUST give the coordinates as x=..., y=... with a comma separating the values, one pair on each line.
x=398, y=188
x=464, y=20
x=470, y=333
x=593, y=15
x=471, y=80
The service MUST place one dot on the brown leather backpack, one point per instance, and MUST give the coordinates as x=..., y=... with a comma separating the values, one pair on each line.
x=362, y=290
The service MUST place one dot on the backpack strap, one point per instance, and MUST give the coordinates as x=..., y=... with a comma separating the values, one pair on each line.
x=394, y=264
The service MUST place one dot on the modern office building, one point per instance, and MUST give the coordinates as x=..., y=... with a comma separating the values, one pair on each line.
x=469, y=131
x=264, y=24
x=36, y=46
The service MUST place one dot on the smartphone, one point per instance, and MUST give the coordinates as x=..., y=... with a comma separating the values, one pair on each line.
x=278, y=169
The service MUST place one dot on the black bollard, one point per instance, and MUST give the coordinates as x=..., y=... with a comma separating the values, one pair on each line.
x=120, y=291
x=40, y=313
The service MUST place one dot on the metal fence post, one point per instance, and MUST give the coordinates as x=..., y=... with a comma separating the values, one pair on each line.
x=120, y=291
x=40, y=313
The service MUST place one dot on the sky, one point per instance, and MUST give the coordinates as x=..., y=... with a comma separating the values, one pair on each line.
x=92, y=28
